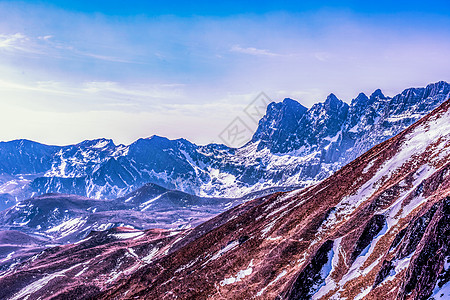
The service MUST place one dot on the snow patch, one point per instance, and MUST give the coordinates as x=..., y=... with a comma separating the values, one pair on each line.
x=284, y=272
x=126, y=235
x=148, y=259
x=239, y=275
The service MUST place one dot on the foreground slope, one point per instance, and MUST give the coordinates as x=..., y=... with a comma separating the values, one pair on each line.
x=377, y=228
x=83, y=269
x=95, y=264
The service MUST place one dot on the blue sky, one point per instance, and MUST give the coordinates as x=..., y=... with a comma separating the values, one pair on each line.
x=75, y=70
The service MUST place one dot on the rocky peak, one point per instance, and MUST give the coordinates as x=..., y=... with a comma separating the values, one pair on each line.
x=360, y=100
x=287, y=109
x=377, y=94
x=324, y=120
x=420, y=99
x=434, y=89
x=332, y=102
x=332, y=105
x=280, y=120
x=97, y=143
x=288, y=102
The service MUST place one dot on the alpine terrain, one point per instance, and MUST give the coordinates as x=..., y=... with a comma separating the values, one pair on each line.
x=292, y=147
x=379, y=227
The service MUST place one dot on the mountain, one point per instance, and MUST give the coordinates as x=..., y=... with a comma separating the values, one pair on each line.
x=57, y=219
x=278, y=124
x=377, y=228
x=61, y=218
x=292, y=147
x=366, y=231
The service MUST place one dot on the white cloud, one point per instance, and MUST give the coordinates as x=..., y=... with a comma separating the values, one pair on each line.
x=102, y=57
x=45, y=37
x=11, y=42
x=322, y=56
x=135, y=91
x=253, y=51
x=48, y=46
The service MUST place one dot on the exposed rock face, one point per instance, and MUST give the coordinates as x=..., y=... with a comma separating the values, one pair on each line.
x=280, y=121
x=373, y=227
x=377, y=228
x=311, y=278
x=292, y=147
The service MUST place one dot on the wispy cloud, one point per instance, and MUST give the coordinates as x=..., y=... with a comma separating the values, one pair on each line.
x=14, y=42
x=105, y=57
x=45, y=37
x=253, y=51
x=136, y=91
x=322, y=56
x=47, y=45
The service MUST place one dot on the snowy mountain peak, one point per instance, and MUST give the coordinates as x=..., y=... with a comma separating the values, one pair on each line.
x=292, y=146
x=290, y=102
x=98, y=143
x=377, y=94
x=280, y=120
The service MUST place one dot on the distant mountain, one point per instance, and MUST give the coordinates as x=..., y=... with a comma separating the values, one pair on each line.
x=32, y=225
x=377, y=228
x=292, y=147
x=60, y=218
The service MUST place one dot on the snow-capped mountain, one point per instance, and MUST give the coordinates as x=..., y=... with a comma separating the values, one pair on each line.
x=377, y=228
x=292, y=147
x=56, y=219
x=61, y=218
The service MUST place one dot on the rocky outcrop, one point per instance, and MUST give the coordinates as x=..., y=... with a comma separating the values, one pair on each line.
x=312, y=277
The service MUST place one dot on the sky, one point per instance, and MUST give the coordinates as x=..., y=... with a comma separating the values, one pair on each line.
x=77, y=70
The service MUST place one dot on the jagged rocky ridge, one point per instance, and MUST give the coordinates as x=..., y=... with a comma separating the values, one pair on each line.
x=378, y=228
x=292, y=147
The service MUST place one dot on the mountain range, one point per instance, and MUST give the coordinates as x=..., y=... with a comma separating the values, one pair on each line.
x=55, y=219
x=292, y=147
x=379, y=227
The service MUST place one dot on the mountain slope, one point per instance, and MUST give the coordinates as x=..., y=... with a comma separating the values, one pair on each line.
x=292, y=147
x=366, y=231
x=81, y=270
